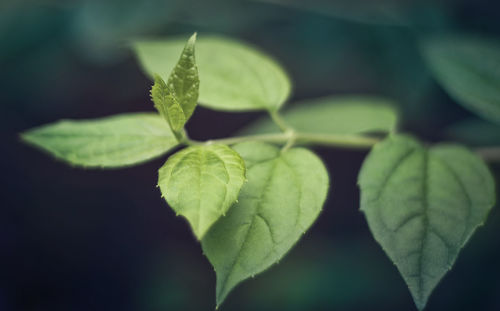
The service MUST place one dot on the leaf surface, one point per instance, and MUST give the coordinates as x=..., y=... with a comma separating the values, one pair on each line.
x=116, y=141
x=176, y=99
x=283, y=196
x=422, y=206
x=235, y=75
x=468, y=68
x=201, y=183
x=334, y=115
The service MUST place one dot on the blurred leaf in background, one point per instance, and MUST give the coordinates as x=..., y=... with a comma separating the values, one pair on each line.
x=468, y=68
x=334, y=115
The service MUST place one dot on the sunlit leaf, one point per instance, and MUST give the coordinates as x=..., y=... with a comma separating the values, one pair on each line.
x=115, y=141
x=201, y=183
x=283, y=196
x=176, y=99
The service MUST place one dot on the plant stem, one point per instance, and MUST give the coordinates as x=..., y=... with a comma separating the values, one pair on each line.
x=280, y=122
x=489, y=154
x=341, y=141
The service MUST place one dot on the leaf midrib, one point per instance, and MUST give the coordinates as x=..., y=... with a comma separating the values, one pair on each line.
x=238, y=255
x=425, y=222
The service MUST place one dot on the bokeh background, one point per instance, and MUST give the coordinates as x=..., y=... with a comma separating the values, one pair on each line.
x=74, y=239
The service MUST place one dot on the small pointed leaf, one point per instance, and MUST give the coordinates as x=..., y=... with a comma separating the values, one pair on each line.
x=236, y=76
x=283, y=196
x=201, y=183
x=176, y=99
x=115, y=141
x=422, y=206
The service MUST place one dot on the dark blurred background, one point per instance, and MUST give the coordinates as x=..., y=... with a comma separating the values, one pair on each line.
x=74, y=239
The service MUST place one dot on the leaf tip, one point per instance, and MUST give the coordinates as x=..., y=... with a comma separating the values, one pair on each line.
x=192, y=39
x=199, y=235
x=420, y=304
x=220, y=296
x=158, y=79
x=24, y=136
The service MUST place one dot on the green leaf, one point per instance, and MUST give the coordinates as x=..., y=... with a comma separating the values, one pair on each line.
x=284, y=195
x=422, y=206
x=235, y=75
x=176, y=99
x=334, y=115
x=468, y=68
x=120, y=140
x=201, y=183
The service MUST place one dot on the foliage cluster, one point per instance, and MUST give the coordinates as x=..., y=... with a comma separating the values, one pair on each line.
x=249, y=199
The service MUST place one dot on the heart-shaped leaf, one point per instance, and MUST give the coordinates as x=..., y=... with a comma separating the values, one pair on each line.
x=201, y=183
x=422, y=206
x=283, y=196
